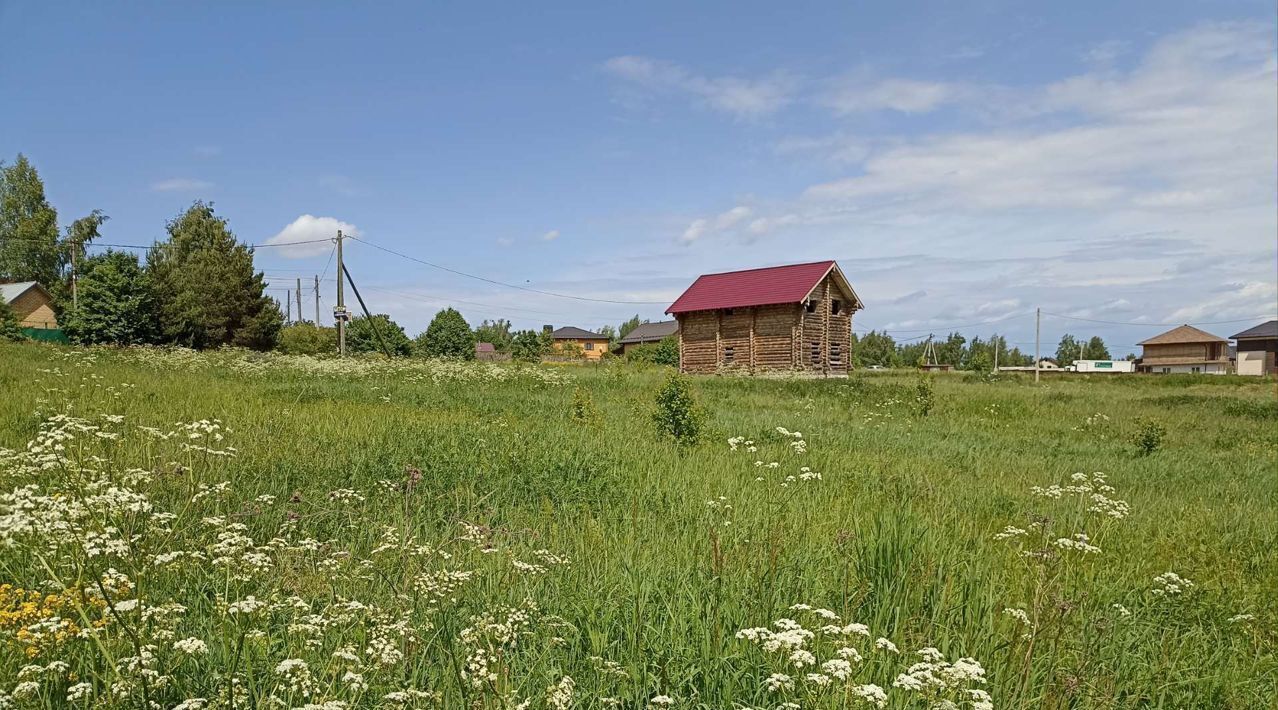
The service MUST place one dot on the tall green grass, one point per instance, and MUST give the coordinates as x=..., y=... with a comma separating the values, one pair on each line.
x=897, y=534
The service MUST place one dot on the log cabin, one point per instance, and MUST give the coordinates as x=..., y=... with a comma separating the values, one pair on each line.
x=795, y=318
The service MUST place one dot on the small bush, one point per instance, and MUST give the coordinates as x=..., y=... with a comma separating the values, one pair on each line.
x=924, y=397
x=1148, y=437
x=677, y=413
x=306, y=338
x=583, y=406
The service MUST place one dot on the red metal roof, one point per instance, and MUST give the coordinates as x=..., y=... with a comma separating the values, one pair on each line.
x=752, y=287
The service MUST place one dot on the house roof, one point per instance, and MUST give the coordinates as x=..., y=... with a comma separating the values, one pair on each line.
x=11, y=291
x=485, y=348
x=648, y=332
x=1182, y=334
x=570, y=333
x=1268, y=329
x=759, y=287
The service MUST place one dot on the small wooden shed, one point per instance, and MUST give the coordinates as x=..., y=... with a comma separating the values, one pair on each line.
x=795, y=318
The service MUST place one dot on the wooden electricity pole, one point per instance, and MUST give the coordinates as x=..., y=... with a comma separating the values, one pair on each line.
x=1038, y=317
x=299, y=300
x=996, y=349
x=340, y=312
x=75, y=298
x=316, y=300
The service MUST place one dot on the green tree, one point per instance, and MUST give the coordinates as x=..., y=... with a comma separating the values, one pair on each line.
x=74, y=252
x=677, y=413
x=662, y=352
x=447, y=336
x=873, y=348
x=528, y=346
x=1067, y=351
x=305, y=338
x=9, y=328
x=624, y=329
x=611, y=334
x=496, y=332
x=361, y=335
x=952, y=351
x=1095, y=349
x=115, y=306
x=205, y=287
x=29, y=247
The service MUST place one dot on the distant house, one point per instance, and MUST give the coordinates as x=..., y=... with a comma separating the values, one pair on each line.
x=648, y=333
x=488, y=352
x=568, y=339
x=1105, y=366
x=31, y=303
x=781, y=318
x=1184, y=349
x=1048, y=363
x=1258, y=349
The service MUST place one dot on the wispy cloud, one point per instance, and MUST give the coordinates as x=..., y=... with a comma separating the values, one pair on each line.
x=180, y=185
x=550, y=236
x=851, y=96
x=341, y=184
x=316, y=232
x=742, y=97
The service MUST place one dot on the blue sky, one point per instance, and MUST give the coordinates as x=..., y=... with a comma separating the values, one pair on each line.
x=964, y=162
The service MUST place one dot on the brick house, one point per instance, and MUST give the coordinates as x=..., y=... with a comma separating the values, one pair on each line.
x=31, y=303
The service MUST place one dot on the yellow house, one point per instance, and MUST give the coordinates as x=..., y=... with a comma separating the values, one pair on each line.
x=31, y=303
x=570, y=341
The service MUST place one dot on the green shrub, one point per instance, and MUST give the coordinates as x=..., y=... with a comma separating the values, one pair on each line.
x=924, y=397
x=447, y=336
x=664, y=352
x=362, y=335
x=677, y=413
x=9, y=329
x=307, y=339
x=583, y=406
x=1148, y=437
x=527, y=346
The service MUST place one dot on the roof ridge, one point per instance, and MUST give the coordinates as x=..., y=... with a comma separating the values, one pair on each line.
x=766, y=268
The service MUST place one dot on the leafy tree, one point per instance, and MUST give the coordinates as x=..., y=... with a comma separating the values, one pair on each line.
x=9, y=328
x=873, y=348
x=1095, y=349
x=305, y=338
x=497, y=332
x=115, y=306
x=528, y=346
x=206, y=289
x=662, y=352
x=1067, y=351
x=361, y=335
x=29, y=248
x=677, y=413
x=611, y=334
x=74, y=252
x=952, y=350
x=447, y=336
x=624, y=329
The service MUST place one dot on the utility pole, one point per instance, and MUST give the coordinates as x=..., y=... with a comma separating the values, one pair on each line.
x=316, y=300
x=340, y=312
x=299, y=299
x=1038, y=317
x=75, y=297
x=288, y=310
x=996, y=349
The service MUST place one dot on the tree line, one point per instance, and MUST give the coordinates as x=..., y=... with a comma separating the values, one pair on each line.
x=978, y=354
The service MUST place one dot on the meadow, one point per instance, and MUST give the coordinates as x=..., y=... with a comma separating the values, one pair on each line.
x=242, y=530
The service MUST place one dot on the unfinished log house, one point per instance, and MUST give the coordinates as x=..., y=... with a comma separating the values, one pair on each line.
x=795, y=318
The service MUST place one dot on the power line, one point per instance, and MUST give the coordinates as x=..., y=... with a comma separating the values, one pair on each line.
x=157, y=245
x=503, y=283
x=935, y=328
x=1156, y=325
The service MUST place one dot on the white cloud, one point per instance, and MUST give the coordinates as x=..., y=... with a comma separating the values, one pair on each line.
x=180, y=185
x=318, y=232
x=1241, y=300
x=550, y=236
x=723, y=222
x=902, y=95
x=505, y=241
x=739, y=96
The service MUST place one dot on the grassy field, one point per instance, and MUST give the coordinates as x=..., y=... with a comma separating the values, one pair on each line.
x=239, y=530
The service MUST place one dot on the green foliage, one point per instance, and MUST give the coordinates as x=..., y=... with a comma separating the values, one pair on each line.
x=875, y=348
x=29, y=247
x=362, y=332
x=447, y=336
x=306, y=338
x=1067, y=350
x=207, y=292
x=1148, y=437
x=583, y=406
x=663, y=352
x=497, y=332
x=9, y=329
x=624, y=329
x=528, y=346
x=1095, y=349
x=569, y=349
x=924, y=396
x=677, y=414
x=610, y=333
x=115, y=303
x=73, y=252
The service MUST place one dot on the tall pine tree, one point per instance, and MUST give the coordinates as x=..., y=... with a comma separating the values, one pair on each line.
x=205, y=288
x=115, y=306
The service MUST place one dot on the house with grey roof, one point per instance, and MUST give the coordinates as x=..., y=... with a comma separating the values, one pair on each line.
x=1257, y=349
x=645, y=333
